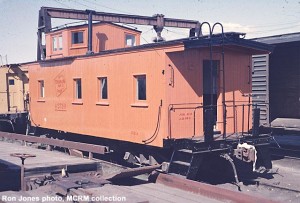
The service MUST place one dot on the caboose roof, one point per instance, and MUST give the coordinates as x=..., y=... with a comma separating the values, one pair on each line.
x=70, y=26
x=229, y=39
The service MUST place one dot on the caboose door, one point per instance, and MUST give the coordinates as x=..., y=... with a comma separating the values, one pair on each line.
x=210, y=89
x=14, y=93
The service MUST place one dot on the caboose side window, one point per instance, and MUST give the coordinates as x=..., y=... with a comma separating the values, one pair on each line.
x=140, y=87
x=129, y=40
x=103, y=88
x=77, y=37
x=11, y=82
x=54, y=43
x=60, y=43
x=41, y=88
x=78, y=88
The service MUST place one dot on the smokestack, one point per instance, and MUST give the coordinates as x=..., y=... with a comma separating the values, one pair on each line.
x=90, y=32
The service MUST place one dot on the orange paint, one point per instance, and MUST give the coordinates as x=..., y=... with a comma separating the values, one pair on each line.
x=106, y=36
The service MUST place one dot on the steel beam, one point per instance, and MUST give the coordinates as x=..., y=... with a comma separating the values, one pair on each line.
x=98, y=149
x=157, y=21
x=118, y=18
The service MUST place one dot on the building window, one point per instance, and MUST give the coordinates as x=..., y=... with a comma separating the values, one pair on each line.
x=129, y=40
x=60, y=43
x=41, y=89
x=11, y=82
x=54, y=43
x=77, y=37
x=78, y=88
x=103, y=88
x=140, y=87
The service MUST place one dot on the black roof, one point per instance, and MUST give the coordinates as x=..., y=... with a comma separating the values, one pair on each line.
x=277, y=39
x=229, y=38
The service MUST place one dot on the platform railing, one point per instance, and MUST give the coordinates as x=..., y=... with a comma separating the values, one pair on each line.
x=240, y=126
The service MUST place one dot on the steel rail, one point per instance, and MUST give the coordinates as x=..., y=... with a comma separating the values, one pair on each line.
x=207, y=190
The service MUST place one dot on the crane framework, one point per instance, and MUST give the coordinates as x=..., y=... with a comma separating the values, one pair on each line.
x=158, y=22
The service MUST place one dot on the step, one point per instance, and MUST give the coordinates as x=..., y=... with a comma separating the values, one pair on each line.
x=181, y=163
x=184, y=155
x=185, y=151
x=179, y=167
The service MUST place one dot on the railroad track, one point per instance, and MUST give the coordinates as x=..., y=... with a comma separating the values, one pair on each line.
x=159, y=188
x=114, y=172
x=285, y=152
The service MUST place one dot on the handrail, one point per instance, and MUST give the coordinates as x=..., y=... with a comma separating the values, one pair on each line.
x=197, y=106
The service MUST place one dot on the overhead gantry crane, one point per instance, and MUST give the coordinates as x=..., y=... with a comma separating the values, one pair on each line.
x=158, y=22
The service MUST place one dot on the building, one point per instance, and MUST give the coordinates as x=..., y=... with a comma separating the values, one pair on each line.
x=276, y=81
x=14, y=89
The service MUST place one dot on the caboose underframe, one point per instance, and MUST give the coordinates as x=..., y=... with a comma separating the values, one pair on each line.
x=196, y=153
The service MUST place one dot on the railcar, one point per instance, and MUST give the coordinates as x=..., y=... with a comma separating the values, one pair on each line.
x=276, y=82
x=13, y=98
x=190, y=96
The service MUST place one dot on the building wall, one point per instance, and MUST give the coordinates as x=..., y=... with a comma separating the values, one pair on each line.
x=12, y=95
x=105, y=37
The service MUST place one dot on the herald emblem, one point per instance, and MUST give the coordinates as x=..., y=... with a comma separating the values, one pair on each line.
x=60, y=83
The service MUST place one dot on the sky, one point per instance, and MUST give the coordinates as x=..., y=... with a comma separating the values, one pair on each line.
x=256, y=18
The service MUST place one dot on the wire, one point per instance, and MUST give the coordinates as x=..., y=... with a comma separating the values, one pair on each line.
x=267, y=25
x=82, y=4
x=151, y=47
x=101, y=5
x=175, y=32
x=264, y=31
x=153, y=137
x=273, y=25
x=147, y=31
x=145, y=40
x=57, y=1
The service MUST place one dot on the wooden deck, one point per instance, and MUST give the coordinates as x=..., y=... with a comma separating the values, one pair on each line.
x=138, y=189
x=45, y=162
x=148, y=192
x=49, y=161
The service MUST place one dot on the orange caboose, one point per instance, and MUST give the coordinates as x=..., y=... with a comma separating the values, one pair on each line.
x=144, y=94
